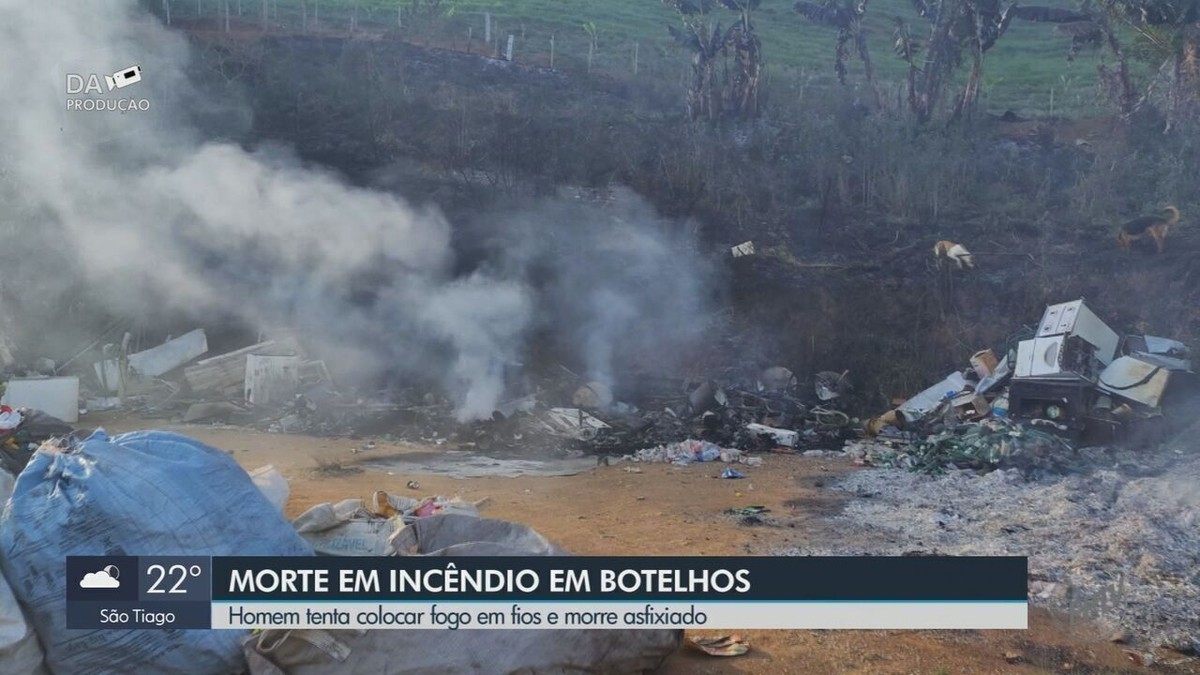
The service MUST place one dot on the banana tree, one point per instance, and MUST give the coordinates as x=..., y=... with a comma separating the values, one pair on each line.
x=847, y=18
x=743, y=88
x=958, y=28
x=708, y=44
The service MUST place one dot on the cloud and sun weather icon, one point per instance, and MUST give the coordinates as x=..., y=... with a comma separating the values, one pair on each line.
x=109, y=577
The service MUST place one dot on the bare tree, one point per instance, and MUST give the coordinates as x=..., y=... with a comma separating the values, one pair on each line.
x=1167, y=33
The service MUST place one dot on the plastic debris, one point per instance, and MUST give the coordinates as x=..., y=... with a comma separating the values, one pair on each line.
x=10, y=419
x=724, y=645
x=686, y=452
x=747, y=511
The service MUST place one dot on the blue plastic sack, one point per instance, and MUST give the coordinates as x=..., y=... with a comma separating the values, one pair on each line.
x=139, y=494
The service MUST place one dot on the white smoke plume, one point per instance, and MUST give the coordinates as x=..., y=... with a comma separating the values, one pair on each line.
x=163, y=220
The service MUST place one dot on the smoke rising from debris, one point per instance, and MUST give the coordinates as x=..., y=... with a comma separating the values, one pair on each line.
x=160, y=220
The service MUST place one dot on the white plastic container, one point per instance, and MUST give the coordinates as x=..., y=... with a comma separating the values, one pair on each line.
x=784, y=437
x=272, y=484
x=55, y=396
x=1000, y=405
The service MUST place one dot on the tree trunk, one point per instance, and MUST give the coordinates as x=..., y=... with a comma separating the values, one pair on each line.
x=1126, y=94
x=1185, y=92
x=929, y=89
x=970, y=95
x=864, y=54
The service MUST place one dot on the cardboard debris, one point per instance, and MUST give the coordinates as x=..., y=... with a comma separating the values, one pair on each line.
x=927, y=401
x=1001, y=373
x=156, y=361
x=1135, y=380
x=573, y=422
x=1170, y=354
x=226, y=374
x=744, y=249
x=271, y=380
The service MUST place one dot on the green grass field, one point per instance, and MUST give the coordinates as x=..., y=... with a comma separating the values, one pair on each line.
x=1027, y=71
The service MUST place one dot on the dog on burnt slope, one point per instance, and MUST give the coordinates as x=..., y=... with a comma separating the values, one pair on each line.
x=948, y=250
x=1154, y=226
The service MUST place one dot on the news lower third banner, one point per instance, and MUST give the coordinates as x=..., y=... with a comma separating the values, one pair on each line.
x=917, y=592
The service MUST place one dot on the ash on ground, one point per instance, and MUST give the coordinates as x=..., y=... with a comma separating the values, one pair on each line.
x=1111, y=543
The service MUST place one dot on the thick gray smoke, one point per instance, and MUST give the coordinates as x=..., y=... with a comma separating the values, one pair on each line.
x=621, y=290
x=162, y=220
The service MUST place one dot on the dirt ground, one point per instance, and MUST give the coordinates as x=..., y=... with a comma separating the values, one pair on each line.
x=665, y=510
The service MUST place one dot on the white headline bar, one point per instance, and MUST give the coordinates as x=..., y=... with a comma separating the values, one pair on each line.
x=542, y=615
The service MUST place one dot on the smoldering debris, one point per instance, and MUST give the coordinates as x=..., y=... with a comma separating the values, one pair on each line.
x=1074, y=381
x=1118, y=548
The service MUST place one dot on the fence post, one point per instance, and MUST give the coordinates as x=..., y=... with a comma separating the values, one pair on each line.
x=508, y=50
x=487, y=27
x=635, y=58
x=167, y=10
x=226, y=16
x=552, y=51
x=399, y=16
x=266, y=8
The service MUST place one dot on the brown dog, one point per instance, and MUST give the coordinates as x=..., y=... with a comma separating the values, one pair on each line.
x=1155, y=226
x=948, y=250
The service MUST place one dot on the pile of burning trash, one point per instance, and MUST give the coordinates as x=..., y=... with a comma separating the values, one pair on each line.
x=1073, y=379
x=274, y=385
